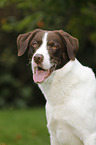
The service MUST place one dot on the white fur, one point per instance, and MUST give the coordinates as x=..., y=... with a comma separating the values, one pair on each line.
x=71, y=105
x=70, y=93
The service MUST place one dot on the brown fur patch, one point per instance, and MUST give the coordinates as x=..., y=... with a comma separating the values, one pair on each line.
x=59, y=54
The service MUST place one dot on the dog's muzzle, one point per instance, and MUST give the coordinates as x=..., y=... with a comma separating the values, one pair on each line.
x=39, y=72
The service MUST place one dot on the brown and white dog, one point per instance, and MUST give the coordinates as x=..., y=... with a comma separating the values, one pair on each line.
x=68, y=86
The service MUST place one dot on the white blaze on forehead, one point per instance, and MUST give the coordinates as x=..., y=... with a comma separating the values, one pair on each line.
x=43, y=48
x=44, y=51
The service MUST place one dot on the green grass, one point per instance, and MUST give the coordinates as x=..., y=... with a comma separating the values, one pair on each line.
x=23, y=127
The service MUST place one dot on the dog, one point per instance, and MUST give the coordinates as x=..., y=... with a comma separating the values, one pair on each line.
x=68, y=86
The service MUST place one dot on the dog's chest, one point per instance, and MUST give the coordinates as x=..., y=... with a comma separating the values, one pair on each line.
x=59, y=87
x=59, y=126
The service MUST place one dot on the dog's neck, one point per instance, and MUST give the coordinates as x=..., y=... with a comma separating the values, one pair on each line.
x=58, y=81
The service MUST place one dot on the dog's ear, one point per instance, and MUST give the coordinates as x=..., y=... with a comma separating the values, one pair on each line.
x=23, y=41
x=71, y=43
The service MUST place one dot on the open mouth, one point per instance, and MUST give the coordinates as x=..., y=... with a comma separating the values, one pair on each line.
x=40, y=74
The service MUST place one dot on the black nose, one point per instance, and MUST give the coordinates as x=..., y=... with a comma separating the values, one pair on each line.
x=38, y=58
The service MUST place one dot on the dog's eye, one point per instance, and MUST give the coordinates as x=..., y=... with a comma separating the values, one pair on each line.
x=54, y=47
x=34, y=44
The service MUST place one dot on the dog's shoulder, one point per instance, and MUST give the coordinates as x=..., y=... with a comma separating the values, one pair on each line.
x=84, y=73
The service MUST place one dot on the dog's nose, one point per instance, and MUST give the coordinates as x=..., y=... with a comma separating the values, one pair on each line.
x=38, y=58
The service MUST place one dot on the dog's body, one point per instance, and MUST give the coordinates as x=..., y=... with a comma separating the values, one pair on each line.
x=68, y=86
x=71, y=105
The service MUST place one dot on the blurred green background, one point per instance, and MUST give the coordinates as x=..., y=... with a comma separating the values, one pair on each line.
x=17, y=89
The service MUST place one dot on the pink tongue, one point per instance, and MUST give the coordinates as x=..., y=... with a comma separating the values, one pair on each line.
x=40, y=76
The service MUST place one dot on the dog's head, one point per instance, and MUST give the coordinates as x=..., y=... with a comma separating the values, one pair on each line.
x=48, y=51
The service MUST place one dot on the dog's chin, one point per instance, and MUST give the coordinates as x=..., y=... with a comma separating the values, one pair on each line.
x=40, y=74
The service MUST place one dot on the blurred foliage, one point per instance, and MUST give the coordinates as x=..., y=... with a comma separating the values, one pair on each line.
x=19, y=16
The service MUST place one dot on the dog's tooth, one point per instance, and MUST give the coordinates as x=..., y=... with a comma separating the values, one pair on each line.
x=35, y=69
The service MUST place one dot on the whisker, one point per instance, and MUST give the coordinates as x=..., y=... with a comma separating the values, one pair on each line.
x=29, y=62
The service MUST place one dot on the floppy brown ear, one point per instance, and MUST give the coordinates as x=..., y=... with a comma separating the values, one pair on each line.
x=23, y=41
x=72, y=44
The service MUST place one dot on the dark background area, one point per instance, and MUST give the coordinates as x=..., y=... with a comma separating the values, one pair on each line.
x=17, y=89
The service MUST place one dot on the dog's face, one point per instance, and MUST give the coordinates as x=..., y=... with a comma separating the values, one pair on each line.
x=48, y=51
